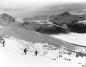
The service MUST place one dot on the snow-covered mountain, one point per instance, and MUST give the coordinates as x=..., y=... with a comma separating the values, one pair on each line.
x=63, y=51
x=27, y=42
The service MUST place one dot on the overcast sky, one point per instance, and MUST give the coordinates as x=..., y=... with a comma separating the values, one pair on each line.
x=28, y=7
x=33, y=3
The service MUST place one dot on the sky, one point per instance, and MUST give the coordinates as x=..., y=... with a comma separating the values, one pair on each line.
x=33, y=3
x=21, y=7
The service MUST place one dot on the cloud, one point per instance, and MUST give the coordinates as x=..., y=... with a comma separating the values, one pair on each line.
x=30, y=7
x=33, y=3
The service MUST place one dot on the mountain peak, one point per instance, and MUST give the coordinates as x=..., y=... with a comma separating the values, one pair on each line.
x=4, y=14
x=6, y=19
x=65, y=13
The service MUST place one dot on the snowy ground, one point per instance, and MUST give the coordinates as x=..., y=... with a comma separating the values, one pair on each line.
x=8, y=59
x=75, y=38
x=12, y=55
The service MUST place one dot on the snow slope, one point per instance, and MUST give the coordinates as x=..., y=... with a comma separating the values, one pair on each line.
x=12, y=55
x=35, y=37
x=75, y=38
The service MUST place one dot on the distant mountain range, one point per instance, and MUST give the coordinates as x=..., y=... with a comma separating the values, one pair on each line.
x=63, y=23
x=54, y=24
x=66, y=18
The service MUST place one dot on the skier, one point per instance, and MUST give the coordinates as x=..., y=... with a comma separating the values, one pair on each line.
x=36, y=52
x=3, y=42
x=25, y=51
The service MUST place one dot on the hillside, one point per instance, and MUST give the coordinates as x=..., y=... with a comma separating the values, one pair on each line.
x=33, y=37
x=6, y=19
x=68, y=23
x=60, y=50
x=63, y=23
x=66, y=18
x=13, y=52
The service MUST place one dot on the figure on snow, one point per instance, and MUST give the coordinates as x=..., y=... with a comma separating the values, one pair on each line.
x=2, y=41
x=36, y=52
x=25, y=51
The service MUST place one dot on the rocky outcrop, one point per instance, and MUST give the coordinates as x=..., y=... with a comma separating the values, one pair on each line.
x=60, y=24
x=77, y=28
x=66, y=18
x=51, y=29
x=6, y=19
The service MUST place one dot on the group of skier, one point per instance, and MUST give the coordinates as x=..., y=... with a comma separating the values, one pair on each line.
x=2, y=41
x=25, y=51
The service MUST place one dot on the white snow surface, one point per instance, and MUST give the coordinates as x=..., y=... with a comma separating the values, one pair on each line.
x=79, y=39
x=12, y=55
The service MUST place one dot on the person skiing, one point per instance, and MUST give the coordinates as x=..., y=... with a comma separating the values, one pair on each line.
x=3, y=42
x=25, y=51
x=36, y=52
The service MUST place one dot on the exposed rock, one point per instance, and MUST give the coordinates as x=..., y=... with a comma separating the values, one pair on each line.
x=6, y=19
x=51, y=29
x=80, y=54
x=66, y=18
x=61, y=24
x=65, y=13
x=77, y=28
